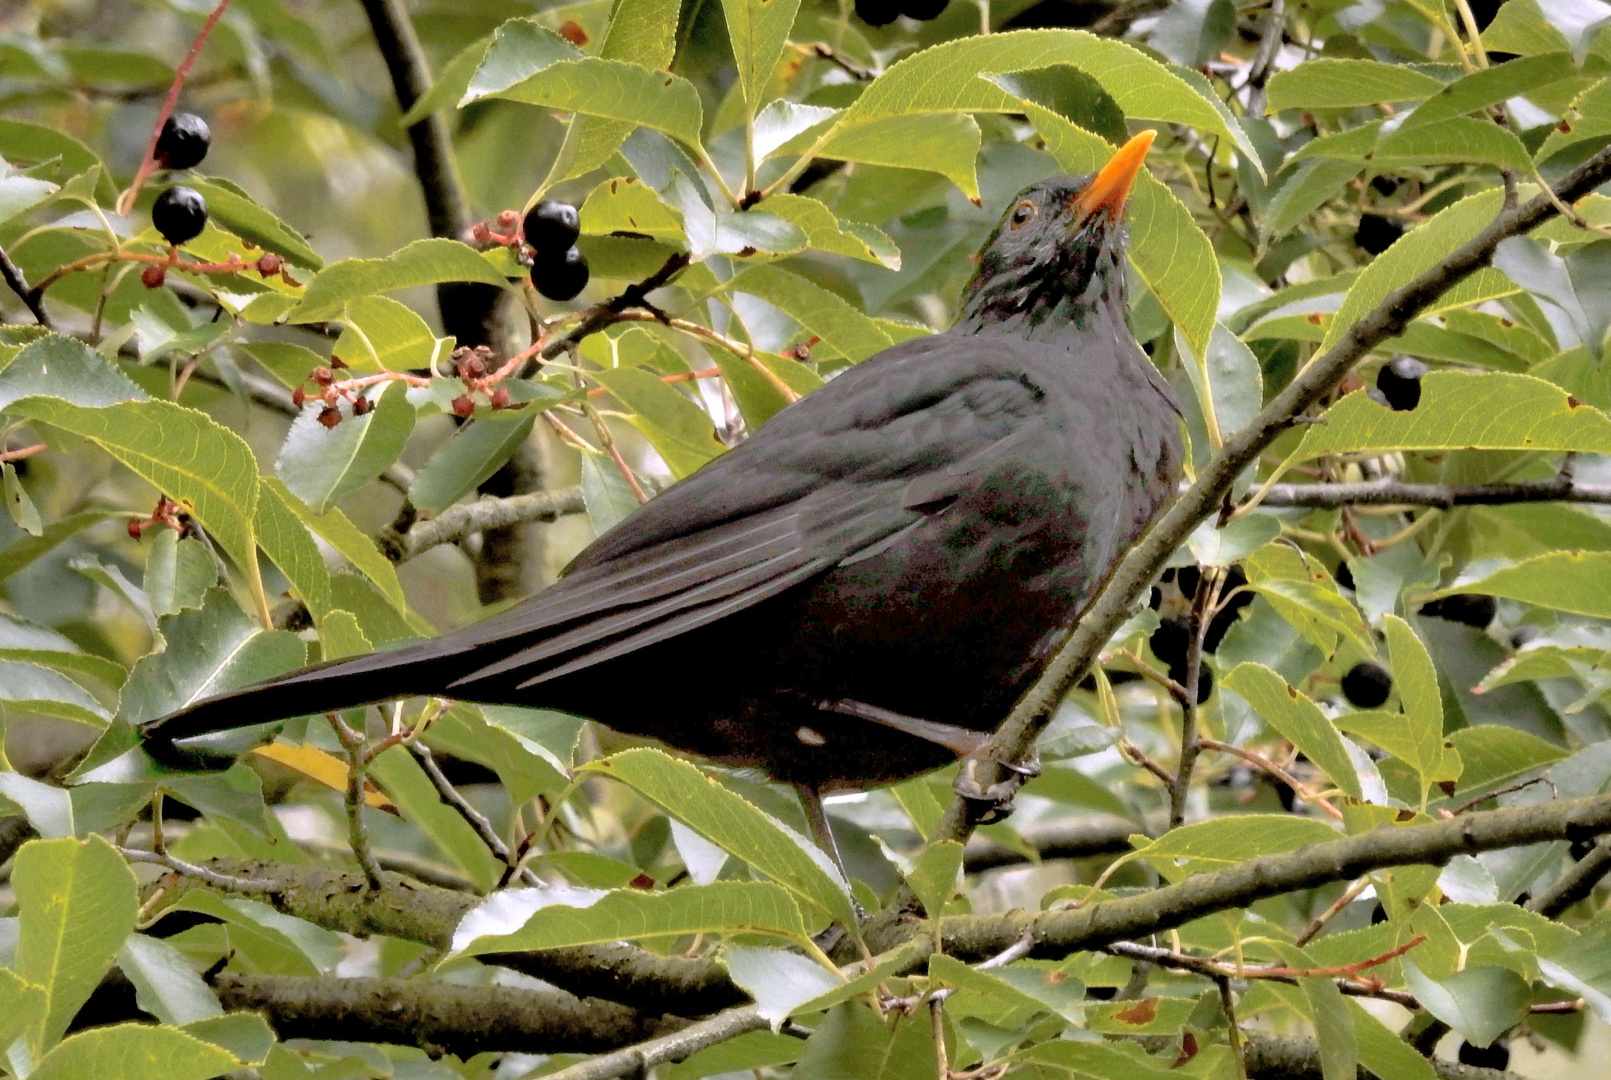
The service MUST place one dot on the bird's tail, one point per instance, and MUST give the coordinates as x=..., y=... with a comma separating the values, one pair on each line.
x=328, y=687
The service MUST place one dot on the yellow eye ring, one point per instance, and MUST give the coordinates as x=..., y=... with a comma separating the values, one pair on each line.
x=1022, y=213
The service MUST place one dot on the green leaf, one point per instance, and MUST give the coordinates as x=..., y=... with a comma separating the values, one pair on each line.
x=424, y=262
x=136, y=1052
x=1167, y=248
x=728, y=821
x=22, y=640
x=626, y=204
x=560, y=918
x=21, y=508
x=381, y=334
x=1312, y=184
x=231, y=208
x=751, y=1051
x=1492, y=86
x=1298, y=720
x=1227, y=840
x=944, y=78
x=1574, y=581
x=288, y=363
x=19, y=194
x=1457, y=138
x=475, y=452
x=1429, y=244
x=1304, y=594
x=1481, y=1003
x=679, y=430
x=76, y=902
x=942, y=142
x=780, y=981
x=20, y=554
x=184, y=454
x=22, y=142
x=825, y=232
x=605, y=493
x=1334, y=1028
x=26, y=687
x=421, y=805
x=22, y=1006
x=210, y=649
x=821, y=312
x=165, y=984
x=1459, y=410
x=518, y=49
x=935, y=875
x=351, y=543
x=757, y=30
x=321, y=465
x=1329, y=83
x=288, y=544
x=1417, y=683
x=178, y=572
x=615, y=90
x=1382, y=1051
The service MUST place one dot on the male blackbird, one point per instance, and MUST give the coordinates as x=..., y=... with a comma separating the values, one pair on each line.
x=877, y=573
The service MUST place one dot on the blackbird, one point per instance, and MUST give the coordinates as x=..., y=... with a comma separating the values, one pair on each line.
x=876, y=574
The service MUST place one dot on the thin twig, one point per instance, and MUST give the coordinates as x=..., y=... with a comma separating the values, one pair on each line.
x=357, y=832
x=1574, y=885
x=1197, y=627
x=1349, y=895
x=1258, y=760
x=1227, y=1002
x=1443, y=496
x=19, y=285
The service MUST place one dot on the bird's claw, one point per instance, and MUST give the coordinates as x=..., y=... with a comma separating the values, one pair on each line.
x=998, y=797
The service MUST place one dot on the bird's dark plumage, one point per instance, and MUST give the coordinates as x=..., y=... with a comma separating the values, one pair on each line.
x=864, y=587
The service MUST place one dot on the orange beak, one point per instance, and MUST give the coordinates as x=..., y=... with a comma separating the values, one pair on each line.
x=1109, y=189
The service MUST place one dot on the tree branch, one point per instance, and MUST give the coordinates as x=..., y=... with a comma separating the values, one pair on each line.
x=439, y=1016
x=1574, y=885
x=1016, y=737
x=1446, y=496
x=456, y=523
x=1272, y=1058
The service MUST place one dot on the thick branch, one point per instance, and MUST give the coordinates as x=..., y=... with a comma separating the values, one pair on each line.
x=1576, y=884
x=1017, y=735
x=685, y=986
x=455, y=524
x=1071, y=838
x=1058, y=933
x=1397, y=493
x=438, y=1016
x=636, y=1060
x=1270, y=1058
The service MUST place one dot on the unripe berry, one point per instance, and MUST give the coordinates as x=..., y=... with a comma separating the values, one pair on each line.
x=152, y=277
x=179, y=214
x=499, y=398
x=135, y=528
x=270, y=264
x=183, y=142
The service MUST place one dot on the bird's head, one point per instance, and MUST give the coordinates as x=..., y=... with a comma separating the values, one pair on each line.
x=1058, y=253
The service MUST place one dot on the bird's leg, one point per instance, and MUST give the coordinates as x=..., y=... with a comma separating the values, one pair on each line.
x=817, y=822
x=997, y=796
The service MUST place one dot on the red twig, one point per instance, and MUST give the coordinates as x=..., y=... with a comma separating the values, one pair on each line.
x=19, y=454
x=148, y=164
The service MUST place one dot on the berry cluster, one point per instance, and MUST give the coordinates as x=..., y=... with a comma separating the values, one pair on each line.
x=558, y=267
x=883, y=12
x=331, y=392
x=1170, y=641
x=478, y=369
x=180, y=213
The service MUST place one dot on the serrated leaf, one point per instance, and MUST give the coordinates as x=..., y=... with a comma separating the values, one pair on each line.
x=1312, y=184
x=782, y=121
x=757, y=30
x=1336, y=83
x=165, y=984
x=136, y=1052
x=1575, y=581
x=475, y=452
x=679, y=430
x=825, y=232
x=1459, y=410
x=780, y=981
x=402, y=778
x=232, y=209
x=1481, y=1003
x=941, y=142
x=726, y=819
x=615, y=90
x=179, y=571
x=1416, y=680
x=625, y=204
x=21, y=508
x=320, y=465
x=519, y=920
x=27, y=687
x=936, y=875
x=821, y=312
x=424, y=262
x=944, y=78
x=76, y=902
x=1228, y=840
x=1298, y=720
x=381, y=334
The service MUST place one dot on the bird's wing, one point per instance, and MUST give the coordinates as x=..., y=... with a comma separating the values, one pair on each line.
x=831, y=480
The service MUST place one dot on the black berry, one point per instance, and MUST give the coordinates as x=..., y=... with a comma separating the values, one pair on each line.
x=1377, y=233
x=1472, y=609
x=923, y=9
x=179, y=214
x=1344, y=577
x=1493, y=1056
x=551, y=227
x=561, y=278
x=183, y=142
x=1384, y=184
x=878, y=12
x=1367, y=685
x=1400, y=383
x=1169, y=642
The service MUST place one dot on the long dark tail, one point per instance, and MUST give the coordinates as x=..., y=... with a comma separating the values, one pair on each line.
x=339, y=684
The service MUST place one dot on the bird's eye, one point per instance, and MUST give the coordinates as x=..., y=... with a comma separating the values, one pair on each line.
x=1022, y=213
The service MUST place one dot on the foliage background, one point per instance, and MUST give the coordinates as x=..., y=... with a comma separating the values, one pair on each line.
x=1291, y=134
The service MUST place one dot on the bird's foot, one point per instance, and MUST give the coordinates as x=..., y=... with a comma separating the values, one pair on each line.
x=998, y=797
